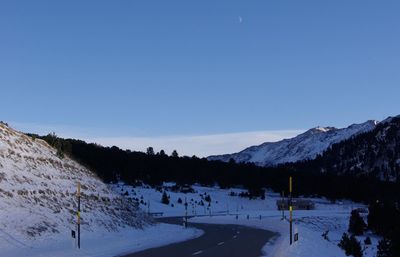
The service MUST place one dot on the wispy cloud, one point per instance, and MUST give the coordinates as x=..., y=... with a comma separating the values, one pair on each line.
x=199, y=145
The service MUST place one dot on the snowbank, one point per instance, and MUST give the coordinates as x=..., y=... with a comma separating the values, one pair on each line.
x=102, y=244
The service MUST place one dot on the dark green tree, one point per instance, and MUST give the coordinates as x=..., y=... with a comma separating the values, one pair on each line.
x=351, y=246
x=150, y=151
x=384, y=248
x=174, y=154
x=165, y=198
x=357, y=225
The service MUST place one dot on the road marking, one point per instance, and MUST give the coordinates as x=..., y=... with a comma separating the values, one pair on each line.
x=198, y=252
x=221, y=243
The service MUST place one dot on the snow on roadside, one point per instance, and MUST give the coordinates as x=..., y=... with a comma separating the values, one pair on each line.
x=105, y=244
x=327, y=216
x=310, y=243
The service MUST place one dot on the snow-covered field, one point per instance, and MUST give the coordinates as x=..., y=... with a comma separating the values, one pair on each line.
x=101, y=243
x=310, y=225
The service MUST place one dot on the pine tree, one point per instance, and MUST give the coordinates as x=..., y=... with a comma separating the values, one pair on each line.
x=384, y=248
x=150, y=151
x=351, y=246
x=356, y=225
x=174, y=154
x=165, y=198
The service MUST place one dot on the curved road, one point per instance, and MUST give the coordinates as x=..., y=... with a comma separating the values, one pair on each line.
x=217, y=241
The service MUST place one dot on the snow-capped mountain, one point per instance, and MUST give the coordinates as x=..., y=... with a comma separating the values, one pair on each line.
x=302, y=147
x=38, y=193
x=375, y=153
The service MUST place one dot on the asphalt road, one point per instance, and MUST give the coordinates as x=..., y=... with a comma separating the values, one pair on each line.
x=217, y=241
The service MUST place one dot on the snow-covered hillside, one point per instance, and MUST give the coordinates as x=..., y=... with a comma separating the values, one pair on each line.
x=38, y=193
x=304, y=146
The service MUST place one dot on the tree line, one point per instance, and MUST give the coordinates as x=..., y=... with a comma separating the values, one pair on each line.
x=112, y=164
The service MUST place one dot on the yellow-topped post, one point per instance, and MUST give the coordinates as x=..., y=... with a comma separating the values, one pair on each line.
x=79, y=214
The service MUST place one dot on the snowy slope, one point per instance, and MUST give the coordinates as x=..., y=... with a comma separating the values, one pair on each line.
x=37, y=194
x=228, y=208
x=375, y=154
x=304, y=146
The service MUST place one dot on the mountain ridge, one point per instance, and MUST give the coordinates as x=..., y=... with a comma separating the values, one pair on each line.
x=372, y=154
x=306, y=146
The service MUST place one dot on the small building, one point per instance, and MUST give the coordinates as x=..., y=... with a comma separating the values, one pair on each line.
x=298, y=204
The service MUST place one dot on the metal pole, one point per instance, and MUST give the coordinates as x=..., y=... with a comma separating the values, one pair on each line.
x=283, y=205
x=291, y=210
x=79, y=215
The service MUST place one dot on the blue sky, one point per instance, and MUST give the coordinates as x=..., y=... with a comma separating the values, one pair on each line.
x=173, y=69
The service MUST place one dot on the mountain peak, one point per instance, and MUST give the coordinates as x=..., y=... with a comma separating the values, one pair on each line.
x=320, y=129
x=305, y=146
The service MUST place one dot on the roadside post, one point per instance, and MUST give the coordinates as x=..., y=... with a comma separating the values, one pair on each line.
x=290, y=210
x=283, y=205
x=79, y=214
x=73, y=237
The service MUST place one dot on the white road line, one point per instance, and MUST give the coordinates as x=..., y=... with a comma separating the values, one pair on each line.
x=221, y=243
x=198, y=252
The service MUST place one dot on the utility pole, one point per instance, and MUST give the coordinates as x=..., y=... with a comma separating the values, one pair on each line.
x=290, y=210
x=79, y=214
